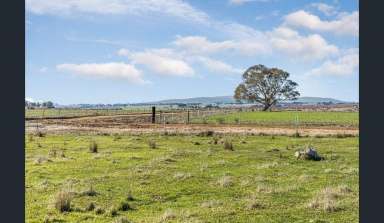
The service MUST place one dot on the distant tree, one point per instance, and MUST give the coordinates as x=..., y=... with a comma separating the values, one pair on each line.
x=266, y=86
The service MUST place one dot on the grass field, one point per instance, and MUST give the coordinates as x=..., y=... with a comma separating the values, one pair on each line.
x=192, y=179
x=287, y=118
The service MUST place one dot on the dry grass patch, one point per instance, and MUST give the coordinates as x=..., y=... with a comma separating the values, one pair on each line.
x=211, y=203
x=326, y=199
x=182, y=176
x=152, y=144
x=225, y=181
x=168, y=215
x=63, y=201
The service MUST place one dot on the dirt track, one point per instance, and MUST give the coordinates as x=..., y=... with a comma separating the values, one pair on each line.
x=191, y=129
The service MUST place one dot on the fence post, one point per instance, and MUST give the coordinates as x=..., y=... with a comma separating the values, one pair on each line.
x=188, y=117
x=153, y=114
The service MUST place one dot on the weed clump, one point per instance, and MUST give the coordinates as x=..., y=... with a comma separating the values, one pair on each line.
x=90, y=207
x=168, y=215
x=90, y=192
x=112, y=212
x=93, y=147
x=225, y=181
x=124, y=206
x=63, y=201
x=228, y=145
x=99, y=210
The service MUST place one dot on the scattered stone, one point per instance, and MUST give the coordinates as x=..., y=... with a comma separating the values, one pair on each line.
x=308, y=154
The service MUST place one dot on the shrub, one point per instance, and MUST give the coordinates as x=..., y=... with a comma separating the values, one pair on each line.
x=228, y=145
x=152, y=144
x=296, y=134
x=237, y=120
x=215, y=140
x=93, y=148
x=63, y=201
x=40, y=134
x=206, y=133
x=124, y=206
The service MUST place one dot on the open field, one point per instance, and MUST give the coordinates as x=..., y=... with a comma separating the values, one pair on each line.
x=306, y=118
x=191, y=179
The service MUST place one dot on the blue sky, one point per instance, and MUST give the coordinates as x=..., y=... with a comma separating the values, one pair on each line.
x=110, y=51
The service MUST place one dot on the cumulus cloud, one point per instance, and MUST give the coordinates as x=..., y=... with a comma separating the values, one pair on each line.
x=346, y=64
x=328, y=10
x=241, y=2
x=177, y=8
x=105, y=70
x=201, y=45
x=291, y=43
x=218, y=66
x=282, y=40
x=345, y=24
x=160, y=61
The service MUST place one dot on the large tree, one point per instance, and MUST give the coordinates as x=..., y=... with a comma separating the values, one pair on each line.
x=266, y=86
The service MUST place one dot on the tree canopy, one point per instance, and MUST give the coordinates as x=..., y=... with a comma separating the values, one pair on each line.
x=266, y=86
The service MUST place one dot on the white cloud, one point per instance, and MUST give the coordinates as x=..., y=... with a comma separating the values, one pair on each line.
x=123, y=52
x=218, y=66
x=177, y=8
x=43, y=69
x=241, y=2
x=161, y=61
x=105, y=70
x=281, y=40
x=201, y=45
x=346, y=64
x=328, y=10
x=291, y=43
x=345, y=24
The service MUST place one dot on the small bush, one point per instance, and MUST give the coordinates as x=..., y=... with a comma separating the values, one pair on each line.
x=152, y=144
x=40, y=134
x=93, y=147
x=228, y=145
x=124, y=206
x=90, y=207
x=63, y=201
x=30, y=138
x=237, y=120
x=215, y=140
x=206, y=133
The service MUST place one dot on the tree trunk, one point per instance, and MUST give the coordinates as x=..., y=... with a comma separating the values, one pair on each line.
x=266, y=107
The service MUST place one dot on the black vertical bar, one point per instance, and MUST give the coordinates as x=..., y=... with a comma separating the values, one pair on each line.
x=153, y=114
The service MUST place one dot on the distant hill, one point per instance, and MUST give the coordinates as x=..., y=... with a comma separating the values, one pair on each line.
x=230, y=99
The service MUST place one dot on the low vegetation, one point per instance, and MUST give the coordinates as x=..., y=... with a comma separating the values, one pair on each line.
x=259, y=181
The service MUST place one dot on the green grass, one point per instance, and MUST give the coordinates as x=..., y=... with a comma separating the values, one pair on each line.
x=183, y=181
x=287, y=118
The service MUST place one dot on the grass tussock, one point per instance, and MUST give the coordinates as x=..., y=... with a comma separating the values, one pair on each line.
x=228, y=145
x=93, y=147
x=90, y=207
x=225, y=181
x=63, y=201
x=89, y=192
x=327, y=199
x=99, y=211
x=124, y=206
x=211, y=204
x=152, y=144
x=168, y=215
x=122, y=220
